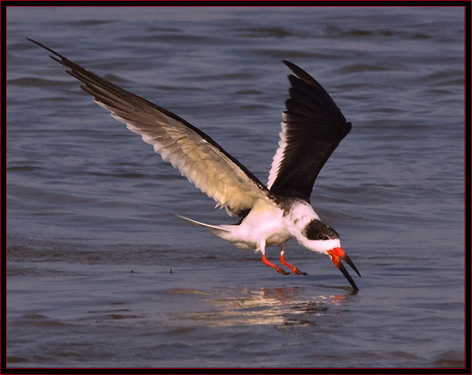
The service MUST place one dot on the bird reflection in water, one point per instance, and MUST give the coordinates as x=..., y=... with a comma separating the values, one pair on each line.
x=282, y=306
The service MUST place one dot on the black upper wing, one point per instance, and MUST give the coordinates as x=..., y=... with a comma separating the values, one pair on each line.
x=312, y=128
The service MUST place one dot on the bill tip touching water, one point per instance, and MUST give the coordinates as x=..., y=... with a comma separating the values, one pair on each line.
x=269, y=215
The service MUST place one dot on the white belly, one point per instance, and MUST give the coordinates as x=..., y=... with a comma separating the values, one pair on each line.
x=264, y=225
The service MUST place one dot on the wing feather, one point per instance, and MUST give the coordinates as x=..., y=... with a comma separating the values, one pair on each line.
x=312, y=128
x=198, y=157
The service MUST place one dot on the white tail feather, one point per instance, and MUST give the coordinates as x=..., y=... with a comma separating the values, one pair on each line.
x=213, y=228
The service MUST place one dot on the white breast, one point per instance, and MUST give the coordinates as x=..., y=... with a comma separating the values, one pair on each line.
x=264, y=224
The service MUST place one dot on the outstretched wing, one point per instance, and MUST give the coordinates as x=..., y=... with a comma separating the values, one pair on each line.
x=312, y=128
x=198, y=157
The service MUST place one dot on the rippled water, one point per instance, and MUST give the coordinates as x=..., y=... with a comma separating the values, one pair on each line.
x=102, y=274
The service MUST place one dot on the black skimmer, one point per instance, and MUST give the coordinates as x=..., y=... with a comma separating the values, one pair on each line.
x=269, y=215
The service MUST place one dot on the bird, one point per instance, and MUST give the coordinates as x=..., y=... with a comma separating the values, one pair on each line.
x=269, y=215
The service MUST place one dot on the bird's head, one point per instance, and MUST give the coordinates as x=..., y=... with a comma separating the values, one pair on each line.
x=321, y=238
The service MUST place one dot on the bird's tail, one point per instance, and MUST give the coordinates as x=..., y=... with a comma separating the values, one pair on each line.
x=217, y=230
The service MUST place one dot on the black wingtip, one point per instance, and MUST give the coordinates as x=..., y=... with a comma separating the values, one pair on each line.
x=61, y=58
x=300, y=73
x=43, y=46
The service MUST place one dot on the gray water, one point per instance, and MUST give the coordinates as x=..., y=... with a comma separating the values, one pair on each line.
x=101, y=273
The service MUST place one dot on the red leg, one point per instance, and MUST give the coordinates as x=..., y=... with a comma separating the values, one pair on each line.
x=294, y=269
x=277, y=268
